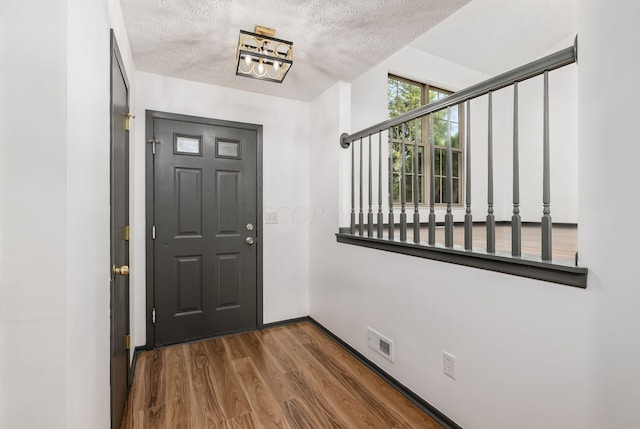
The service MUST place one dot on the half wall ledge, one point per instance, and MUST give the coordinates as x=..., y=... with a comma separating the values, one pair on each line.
x=557, y=271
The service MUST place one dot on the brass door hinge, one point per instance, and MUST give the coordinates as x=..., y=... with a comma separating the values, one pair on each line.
x=126, y=233
x=127, y=342
x=127, y=121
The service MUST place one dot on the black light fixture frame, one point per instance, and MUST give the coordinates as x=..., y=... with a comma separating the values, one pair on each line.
x=255, y=57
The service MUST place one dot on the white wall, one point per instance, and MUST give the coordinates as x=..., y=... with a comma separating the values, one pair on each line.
x=369, y=106
x=609, y=205
x=522, y=346
x=330, y=116
x=34, y=229
x=87, y=212
x=54, y=312
x=563, y=142
x=285, y=184
x=529, y=353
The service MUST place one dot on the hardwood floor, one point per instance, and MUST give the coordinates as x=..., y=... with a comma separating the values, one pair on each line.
x=284, y=377
x=564, y=238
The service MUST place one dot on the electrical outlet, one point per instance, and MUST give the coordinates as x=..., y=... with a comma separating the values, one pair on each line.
x=449, y=364
x=381, y=344
x=271, y=217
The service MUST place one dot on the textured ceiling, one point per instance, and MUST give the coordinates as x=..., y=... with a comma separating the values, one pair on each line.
x=332, y=39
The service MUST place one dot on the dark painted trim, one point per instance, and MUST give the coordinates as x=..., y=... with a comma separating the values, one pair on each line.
x=116, y=51
x=259, y=228
x=551, y=62
x=134, y=362
x=242, y=331
x=404, y=390
x=285, y=322
x=475, y=223
x=196, y=340
x=526, y=223
x=114, y=54
x=558, y=271
x=149, y=222
x=150, y=117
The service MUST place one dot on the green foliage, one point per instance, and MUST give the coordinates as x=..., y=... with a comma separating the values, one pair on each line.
x=402, y=97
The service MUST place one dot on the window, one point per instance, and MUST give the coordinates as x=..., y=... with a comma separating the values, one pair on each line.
x=405, y=95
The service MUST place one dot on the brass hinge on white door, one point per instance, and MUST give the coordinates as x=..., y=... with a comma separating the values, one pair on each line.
x=126, y=233
x=127, y=121
x=127, y=342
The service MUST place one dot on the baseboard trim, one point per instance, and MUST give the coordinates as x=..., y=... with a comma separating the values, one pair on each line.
x=285, y=322
x=404, y=390
x=134, y=362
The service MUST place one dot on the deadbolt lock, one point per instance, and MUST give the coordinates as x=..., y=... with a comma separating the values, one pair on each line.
x=249, y=227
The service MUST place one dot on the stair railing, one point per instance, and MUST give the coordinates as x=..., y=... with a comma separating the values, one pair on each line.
x=400, y=126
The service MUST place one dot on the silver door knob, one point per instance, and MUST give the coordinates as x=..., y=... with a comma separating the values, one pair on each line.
x=249, y=241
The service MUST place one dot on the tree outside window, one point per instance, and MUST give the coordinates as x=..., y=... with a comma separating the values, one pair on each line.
x=405, y=95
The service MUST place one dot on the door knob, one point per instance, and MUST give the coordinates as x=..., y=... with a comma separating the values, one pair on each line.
x=123, y=270
x=249, y=241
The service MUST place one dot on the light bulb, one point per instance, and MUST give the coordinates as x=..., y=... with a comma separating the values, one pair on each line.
x=260, y=67
x=247, y=59
x=276, y=65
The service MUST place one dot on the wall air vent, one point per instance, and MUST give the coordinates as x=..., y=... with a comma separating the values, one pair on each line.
x=381, y=344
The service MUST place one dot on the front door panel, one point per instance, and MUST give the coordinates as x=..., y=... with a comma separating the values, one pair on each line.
x=205, y=192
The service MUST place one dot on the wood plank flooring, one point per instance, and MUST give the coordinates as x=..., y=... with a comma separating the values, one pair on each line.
x=284, y=377
x=564, y=238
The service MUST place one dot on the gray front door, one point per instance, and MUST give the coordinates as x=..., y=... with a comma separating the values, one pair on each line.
x=119, y=236
x=205, y=213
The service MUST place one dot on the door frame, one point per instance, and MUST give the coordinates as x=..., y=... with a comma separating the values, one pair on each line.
x=150, y=117
x=117, y=57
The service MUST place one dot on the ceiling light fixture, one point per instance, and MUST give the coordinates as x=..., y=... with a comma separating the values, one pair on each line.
x=262, y=56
